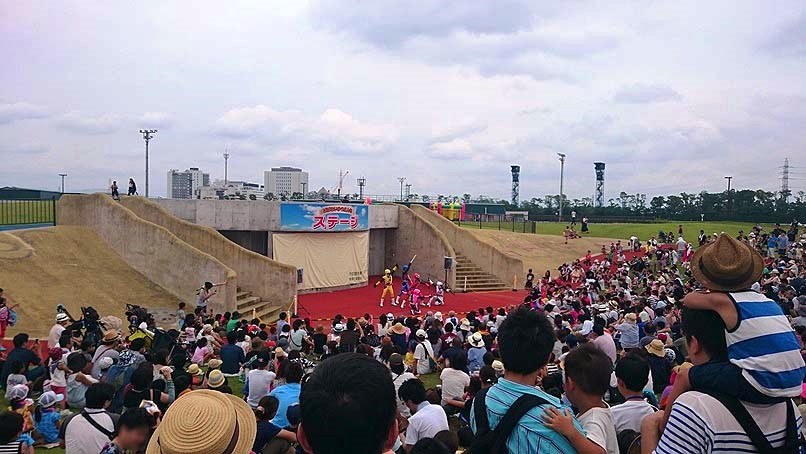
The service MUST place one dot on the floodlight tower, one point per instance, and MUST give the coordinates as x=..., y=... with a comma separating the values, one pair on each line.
x=600, y=169
x=516, y=177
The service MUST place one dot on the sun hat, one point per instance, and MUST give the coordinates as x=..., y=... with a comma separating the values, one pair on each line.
x=49, y=398
x=339, y=327
x=726, y=264
x=587, y=327
x=498, y=366
x=476, y=340
x=631, y=317
x=18, y=392
x=110, y=337
x=438, y=316
x=106, y=362
x=216, y=379
x=644, y=316
x=656, y=348
x=398, y=328
x=421, y=333
x=62, y=317
x=205, y=422
x=215, y=363
x=395, y=359
x=464, y=324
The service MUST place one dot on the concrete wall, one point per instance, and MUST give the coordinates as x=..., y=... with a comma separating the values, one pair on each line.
x=270, y=280
x=377, y=251
x=490, y=259
x=255, y=241
x=416, y=235
x=261, y=215
x=152, y=250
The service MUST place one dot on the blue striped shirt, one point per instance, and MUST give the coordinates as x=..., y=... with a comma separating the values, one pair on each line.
x=530, y=436
x=765, y=347
x=698, y=423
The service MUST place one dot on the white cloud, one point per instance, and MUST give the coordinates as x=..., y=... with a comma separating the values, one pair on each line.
x=82, y=124
x=18, y=111
x=640, y=93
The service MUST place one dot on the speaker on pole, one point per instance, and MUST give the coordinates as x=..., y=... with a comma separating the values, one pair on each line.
x=299, y=275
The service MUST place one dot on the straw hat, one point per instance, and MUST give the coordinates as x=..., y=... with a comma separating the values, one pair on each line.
x=498, y=366
x=476, y=340
x=110, y=337
x=726, y=265
x=215, y=363
x=464, y=324
x=656, y=348
x=398, y=328
x=216, y=379
x=630, y=317
x=205, y=422
x=279, y=352
x=194, y=369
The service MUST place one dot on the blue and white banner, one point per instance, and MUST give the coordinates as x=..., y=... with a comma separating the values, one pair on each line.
x=323, y=217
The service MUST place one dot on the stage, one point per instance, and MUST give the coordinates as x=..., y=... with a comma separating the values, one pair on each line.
x=355, y=302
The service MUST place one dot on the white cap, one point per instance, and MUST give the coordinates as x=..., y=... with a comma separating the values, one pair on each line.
x=421, y=333
x=587, y=327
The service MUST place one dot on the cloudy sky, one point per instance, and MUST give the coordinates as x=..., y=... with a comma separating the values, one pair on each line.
x=448, y=93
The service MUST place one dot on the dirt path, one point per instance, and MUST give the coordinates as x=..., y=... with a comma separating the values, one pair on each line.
x=69, y=265
x=540, y=252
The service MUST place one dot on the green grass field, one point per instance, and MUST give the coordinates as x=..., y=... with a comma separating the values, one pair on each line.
x=26, y=211
x=624, y=231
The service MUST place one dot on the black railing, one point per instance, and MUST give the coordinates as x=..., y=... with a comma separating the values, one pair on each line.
x=27, y=212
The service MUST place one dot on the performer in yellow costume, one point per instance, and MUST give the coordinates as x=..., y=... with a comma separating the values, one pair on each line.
x=388, y=288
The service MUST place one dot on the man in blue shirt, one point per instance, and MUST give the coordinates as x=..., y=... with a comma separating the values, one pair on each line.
x=525, y=341
x=232, y=356
x=287, y=394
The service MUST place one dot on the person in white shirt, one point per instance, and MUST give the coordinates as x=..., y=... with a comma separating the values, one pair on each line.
x=454, y=381
x=399, y=376
x=259, y=380
x=423, y=354
x=427, y=419
x=79, y=434
x=62, y=320
x=632, y=375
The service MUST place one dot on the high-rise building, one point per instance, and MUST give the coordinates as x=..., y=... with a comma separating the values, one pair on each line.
x=285, y=180
x=187, y=184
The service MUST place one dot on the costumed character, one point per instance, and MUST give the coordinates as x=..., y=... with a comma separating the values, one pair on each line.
x=404, y=285
x=388, y=289
x=414, y=304
x=438, y=298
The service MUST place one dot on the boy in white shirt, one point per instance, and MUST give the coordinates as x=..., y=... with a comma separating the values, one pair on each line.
x=632, y=375
x=587, y=379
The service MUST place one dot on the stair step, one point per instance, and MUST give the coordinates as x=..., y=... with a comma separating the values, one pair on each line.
x=270, y=314
x=241, y=294
x=248, y=303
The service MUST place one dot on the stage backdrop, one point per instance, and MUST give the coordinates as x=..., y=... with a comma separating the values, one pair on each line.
x=328, y=259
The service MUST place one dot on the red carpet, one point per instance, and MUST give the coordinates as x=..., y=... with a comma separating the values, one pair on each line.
x=321, y=307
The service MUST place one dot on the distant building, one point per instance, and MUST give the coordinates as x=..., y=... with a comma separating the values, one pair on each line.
x=285, y=180
x=232, y=190
x=187, y=184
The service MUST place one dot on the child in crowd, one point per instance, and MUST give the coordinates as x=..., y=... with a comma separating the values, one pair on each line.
x=58, y=369
x=16, y=377
x=46, y=418
x=180, y=317
x=10, y=430
x=632, y=376
x=22, y=405
x=133, y=429
x=587, y=379
x=758, y=335
x=266, y=430
x=203, y=352
x=79, y=379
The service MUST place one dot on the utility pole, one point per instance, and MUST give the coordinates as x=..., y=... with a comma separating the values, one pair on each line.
x=62, y=175
x=729, y=197
x=408, y=191
x=148, y=134
x=562, y=171
x=785, y=181
x=226, y=162
x=341, y=181
x=401, y=180
x=361, y=183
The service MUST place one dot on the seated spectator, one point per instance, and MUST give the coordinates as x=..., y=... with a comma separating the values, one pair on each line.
x=454, y=382
x=259, y=380
x=660, y=366
x=587, y=379
x=15, y=377
x=423, y=354
x=92, y=428
x=79, y=379
x=217, y=381
x=133, y=429
x=190, y=426
x=348, y=405
x=232, y=356
x=632, y=375
x=266, y=430
x=287, y=394
x=46, y=417
x=10, y=430
x=701, y=422
x=140, y=388
x=476, y=352
x=22, y=354
x=426, y=418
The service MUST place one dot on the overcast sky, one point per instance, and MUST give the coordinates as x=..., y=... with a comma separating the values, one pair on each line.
x=448, y=93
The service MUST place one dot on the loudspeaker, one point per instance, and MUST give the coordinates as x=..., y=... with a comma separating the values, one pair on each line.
x=299, y=275
x=448, y=263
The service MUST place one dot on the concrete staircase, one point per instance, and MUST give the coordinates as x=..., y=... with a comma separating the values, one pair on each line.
x=477, y=279
x=265, y=311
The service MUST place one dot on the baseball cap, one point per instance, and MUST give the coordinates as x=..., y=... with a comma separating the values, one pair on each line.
x=49, y=398
x=421, y=333
x=18, y=392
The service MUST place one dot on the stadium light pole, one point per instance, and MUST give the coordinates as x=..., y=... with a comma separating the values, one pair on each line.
x=562, y=171
x=401, y=180
x=62, y=175
x=148, y=134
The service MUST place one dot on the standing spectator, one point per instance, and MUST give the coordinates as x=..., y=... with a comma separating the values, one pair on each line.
x=22, y=354
x=114, y=189
x=62, y=320
x=5, y=314
x=525, y=342
x=92, y=428
x=132, y=187
x=203, y=295
x=426, y=418
x=288, y=394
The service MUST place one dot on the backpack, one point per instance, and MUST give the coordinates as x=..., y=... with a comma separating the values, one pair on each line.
x=12, y=317
x=119, y=376
x=495, y=440
x=794, y=441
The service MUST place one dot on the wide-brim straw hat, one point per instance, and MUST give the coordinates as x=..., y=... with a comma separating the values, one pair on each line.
x=656, y=348
x=110, y=337
x=205, y=422
x=476, y=340
x=398, y=328
x=726, y=265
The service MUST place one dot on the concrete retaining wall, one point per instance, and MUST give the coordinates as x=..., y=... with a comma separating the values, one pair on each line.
x=416, y=235
x=151, y=249
x=490, y=259
x=270, y=280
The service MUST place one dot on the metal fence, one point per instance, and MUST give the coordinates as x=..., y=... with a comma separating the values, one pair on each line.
x=502, y=223
x=14, y=212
